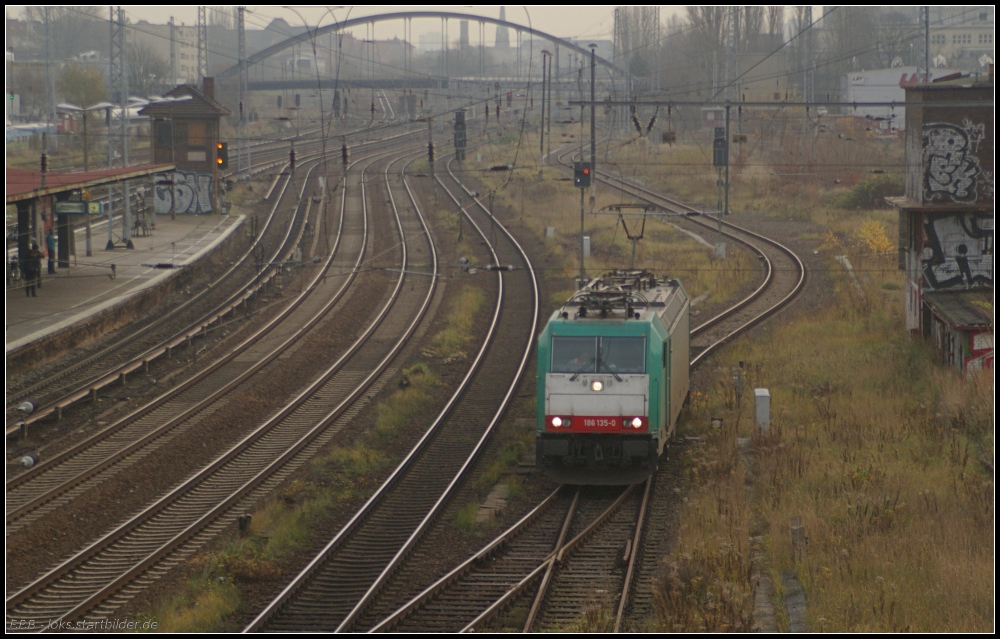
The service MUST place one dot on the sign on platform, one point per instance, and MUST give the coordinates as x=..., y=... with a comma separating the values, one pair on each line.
x=71, y=208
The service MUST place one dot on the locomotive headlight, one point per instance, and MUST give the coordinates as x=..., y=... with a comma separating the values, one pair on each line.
x=597, y=386
x=636, y=422
x=557, y=421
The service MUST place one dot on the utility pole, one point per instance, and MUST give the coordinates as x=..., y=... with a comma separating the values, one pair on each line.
x=927, y=45
x=243, y=163
x=541, y=129
x=119, y=93
x=202, y=45
x=593, y=122
x=548, y=129
x=728, y=139
x=50, y=96
x=430, y=154
x=173, y=55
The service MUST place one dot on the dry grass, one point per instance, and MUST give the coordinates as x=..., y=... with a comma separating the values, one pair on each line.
x=202, y=608
x=532, y=206
x=877, y=449
x=705, y=584
x=458, y=323
x=396, y=412
x=283, y=525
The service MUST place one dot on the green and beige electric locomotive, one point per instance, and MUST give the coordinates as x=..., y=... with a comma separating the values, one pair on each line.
x=612, y=378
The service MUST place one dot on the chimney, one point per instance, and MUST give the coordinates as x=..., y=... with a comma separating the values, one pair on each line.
x=208, y=87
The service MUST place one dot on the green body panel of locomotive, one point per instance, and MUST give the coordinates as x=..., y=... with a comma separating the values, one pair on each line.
x=617, y=309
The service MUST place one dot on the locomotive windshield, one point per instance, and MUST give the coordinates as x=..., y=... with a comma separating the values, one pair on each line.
x=598, y=355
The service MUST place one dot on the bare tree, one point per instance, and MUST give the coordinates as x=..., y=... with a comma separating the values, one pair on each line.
x=897, y=38
x=636, y=37
x=220, y=16
x=706, y=31
x=146, y=69
x=751, y=26
x=74, y=29
x=28, y=81
x=775, y=19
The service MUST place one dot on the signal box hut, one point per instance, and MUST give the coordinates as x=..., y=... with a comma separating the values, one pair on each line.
x=185, y=128
x=946, y=219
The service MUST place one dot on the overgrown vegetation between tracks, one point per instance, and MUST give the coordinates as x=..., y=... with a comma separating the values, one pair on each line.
x=345, y=475
x=872, y=444
x=875, y=446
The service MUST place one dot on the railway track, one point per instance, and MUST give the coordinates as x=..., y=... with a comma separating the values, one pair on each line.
x=528, y=579
x=113, y=363
x=347, y=576
x=129, y=440
x=181, y=521
x=785, y=274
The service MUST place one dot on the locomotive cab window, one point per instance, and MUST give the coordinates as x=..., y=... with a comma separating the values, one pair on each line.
x=622, y=355
x=598, y=355
x=574, y=354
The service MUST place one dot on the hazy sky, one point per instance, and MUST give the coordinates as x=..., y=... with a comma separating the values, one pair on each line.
x=570, y=22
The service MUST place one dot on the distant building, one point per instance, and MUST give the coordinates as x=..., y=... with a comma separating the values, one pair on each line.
x=946, y=219
x=157, y=38
x=962, y=33
x=185, y=132
x=502, y=35
x=463, y=34
x=427, y=42
x=884, y=85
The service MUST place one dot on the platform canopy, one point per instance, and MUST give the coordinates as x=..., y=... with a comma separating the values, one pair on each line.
x=26, y=184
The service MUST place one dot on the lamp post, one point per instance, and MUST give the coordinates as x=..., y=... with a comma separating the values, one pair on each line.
x=541, y=129
x=86, y=153
x=84, y=111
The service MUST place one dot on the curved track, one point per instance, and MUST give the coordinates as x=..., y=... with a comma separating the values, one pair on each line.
x=182, y=520
x=615, y=567
x=345, y=578
x=111, y=364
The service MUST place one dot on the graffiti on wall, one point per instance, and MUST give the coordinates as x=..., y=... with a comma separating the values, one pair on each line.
x=951, y=165
x=959, y=251
x=191, y=193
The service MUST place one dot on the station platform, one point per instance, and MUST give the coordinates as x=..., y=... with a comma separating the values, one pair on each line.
x=92, y=286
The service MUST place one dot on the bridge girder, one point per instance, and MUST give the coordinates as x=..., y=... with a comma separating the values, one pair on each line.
x=308, y=35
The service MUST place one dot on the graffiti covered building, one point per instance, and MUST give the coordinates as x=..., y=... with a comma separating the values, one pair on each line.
x=946, y=233
x=185, y=131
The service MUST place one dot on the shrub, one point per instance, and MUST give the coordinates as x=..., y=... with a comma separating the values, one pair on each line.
x=870, y=193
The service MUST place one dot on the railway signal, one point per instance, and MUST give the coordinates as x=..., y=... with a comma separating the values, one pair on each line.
x=581, y=174
x=720, y=152
x=222, y=154
x=459, y=130
x=344, y=154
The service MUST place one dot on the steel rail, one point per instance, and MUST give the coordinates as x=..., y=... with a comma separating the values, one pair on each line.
x=256, y=480
x=90, y=385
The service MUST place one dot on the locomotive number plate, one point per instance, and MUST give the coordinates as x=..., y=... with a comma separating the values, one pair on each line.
x=597, y=422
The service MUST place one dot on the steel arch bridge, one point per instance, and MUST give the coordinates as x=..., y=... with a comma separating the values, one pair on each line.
x=309, y=34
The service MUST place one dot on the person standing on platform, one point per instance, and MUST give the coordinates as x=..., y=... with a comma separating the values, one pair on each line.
x=32, y=268
x=50, y=244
